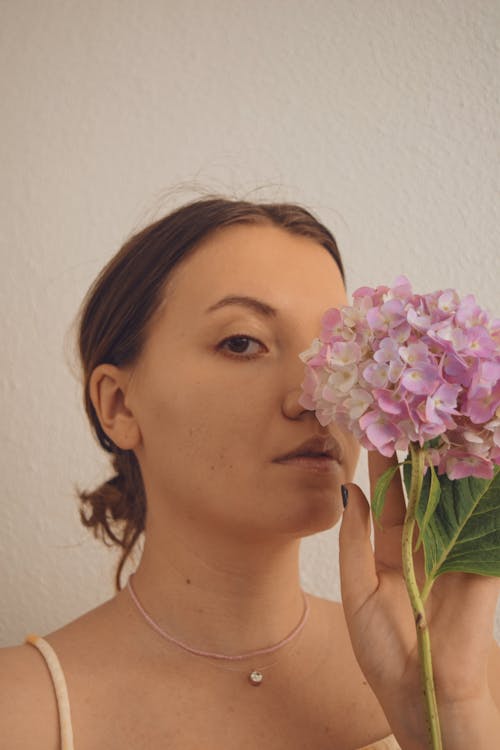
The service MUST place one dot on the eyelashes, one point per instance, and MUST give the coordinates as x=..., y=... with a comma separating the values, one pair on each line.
x=241, y=340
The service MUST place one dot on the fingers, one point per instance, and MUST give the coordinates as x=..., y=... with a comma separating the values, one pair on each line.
x=387, y=533
x=358, y=577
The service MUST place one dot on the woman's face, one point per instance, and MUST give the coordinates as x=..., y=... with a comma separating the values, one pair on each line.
x=214, y=412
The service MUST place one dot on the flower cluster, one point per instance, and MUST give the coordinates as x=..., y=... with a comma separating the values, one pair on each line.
x=398, y=367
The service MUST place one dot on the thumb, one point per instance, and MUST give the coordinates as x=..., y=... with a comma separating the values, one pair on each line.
x=358, y=575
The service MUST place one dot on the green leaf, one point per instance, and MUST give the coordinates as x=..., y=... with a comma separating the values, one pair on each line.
x=381, y=487
x=463, y=533
x=432, y=501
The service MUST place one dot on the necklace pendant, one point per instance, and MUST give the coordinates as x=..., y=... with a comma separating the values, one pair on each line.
x=255, y=678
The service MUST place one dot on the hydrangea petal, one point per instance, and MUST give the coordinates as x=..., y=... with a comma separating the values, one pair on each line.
x=396, y=367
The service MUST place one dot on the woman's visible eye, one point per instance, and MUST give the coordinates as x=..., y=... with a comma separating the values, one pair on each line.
x=239, y=343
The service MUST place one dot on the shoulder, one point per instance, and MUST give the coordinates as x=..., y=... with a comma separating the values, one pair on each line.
x=28, y=707
x=332, y=612
x=327, y=605
x=29, y=716
x=345, y=683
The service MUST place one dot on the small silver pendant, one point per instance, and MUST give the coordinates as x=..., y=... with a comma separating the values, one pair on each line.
x=256, y=678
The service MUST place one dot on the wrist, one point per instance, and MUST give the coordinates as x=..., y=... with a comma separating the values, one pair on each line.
x=473, y=723
x=464, y=724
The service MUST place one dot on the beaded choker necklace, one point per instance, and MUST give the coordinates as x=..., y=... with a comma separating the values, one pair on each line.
x=255, y=677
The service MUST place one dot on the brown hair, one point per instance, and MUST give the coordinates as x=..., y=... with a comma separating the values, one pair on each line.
x=112, y=328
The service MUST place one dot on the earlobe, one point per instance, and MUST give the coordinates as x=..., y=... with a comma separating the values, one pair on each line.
x=107, y=389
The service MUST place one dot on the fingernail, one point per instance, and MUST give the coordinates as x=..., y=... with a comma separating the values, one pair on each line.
x=345, y=495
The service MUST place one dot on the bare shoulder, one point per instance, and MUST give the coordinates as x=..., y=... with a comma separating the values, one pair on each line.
x=28, y=707
x=332, y=611
x=347, y=685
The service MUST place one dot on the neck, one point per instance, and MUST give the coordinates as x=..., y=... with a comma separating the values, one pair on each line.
x=227, y=597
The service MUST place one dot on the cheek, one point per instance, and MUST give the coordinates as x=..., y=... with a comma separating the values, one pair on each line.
x=211, y=424
x=192, y=423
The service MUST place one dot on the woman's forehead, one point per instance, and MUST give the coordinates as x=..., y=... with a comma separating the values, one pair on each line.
x=259, y=262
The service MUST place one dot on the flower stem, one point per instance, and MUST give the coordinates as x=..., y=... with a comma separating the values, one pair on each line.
x=423, y=638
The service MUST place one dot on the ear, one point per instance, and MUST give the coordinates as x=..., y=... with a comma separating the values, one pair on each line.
x=108, y=389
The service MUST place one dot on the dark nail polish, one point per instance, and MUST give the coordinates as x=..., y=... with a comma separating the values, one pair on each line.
x=345, y=495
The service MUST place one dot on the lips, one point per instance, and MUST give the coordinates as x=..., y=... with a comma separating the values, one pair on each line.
x=315, y=447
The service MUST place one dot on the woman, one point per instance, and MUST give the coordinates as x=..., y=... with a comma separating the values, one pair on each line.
x=189, y=341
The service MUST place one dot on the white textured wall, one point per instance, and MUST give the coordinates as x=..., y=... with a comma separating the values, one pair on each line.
x=382, y=116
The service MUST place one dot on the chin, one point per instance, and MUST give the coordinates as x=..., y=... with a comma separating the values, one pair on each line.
x=315, y=517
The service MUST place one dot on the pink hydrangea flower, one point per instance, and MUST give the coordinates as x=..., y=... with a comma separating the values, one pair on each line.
x=397, y=367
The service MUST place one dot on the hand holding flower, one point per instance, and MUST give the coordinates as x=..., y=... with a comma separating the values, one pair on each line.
x=459, y=610
x=418, y=374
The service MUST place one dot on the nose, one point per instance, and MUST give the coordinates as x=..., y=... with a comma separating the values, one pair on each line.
x=295, y=376
x=292, y=408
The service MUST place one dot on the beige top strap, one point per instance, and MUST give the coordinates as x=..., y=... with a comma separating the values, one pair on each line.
x=66, y=730
x=60, y=687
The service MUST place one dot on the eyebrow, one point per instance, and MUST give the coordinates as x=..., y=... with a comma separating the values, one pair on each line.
x=252, y=303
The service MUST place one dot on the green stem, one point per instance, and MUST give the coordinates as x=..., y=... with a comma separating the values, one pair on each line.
x=426, y=590
x=423, y=638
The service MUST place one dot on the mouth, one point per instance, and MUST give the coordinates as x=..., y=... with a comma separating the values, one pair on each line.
x=319, y=463
x=319, y=449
